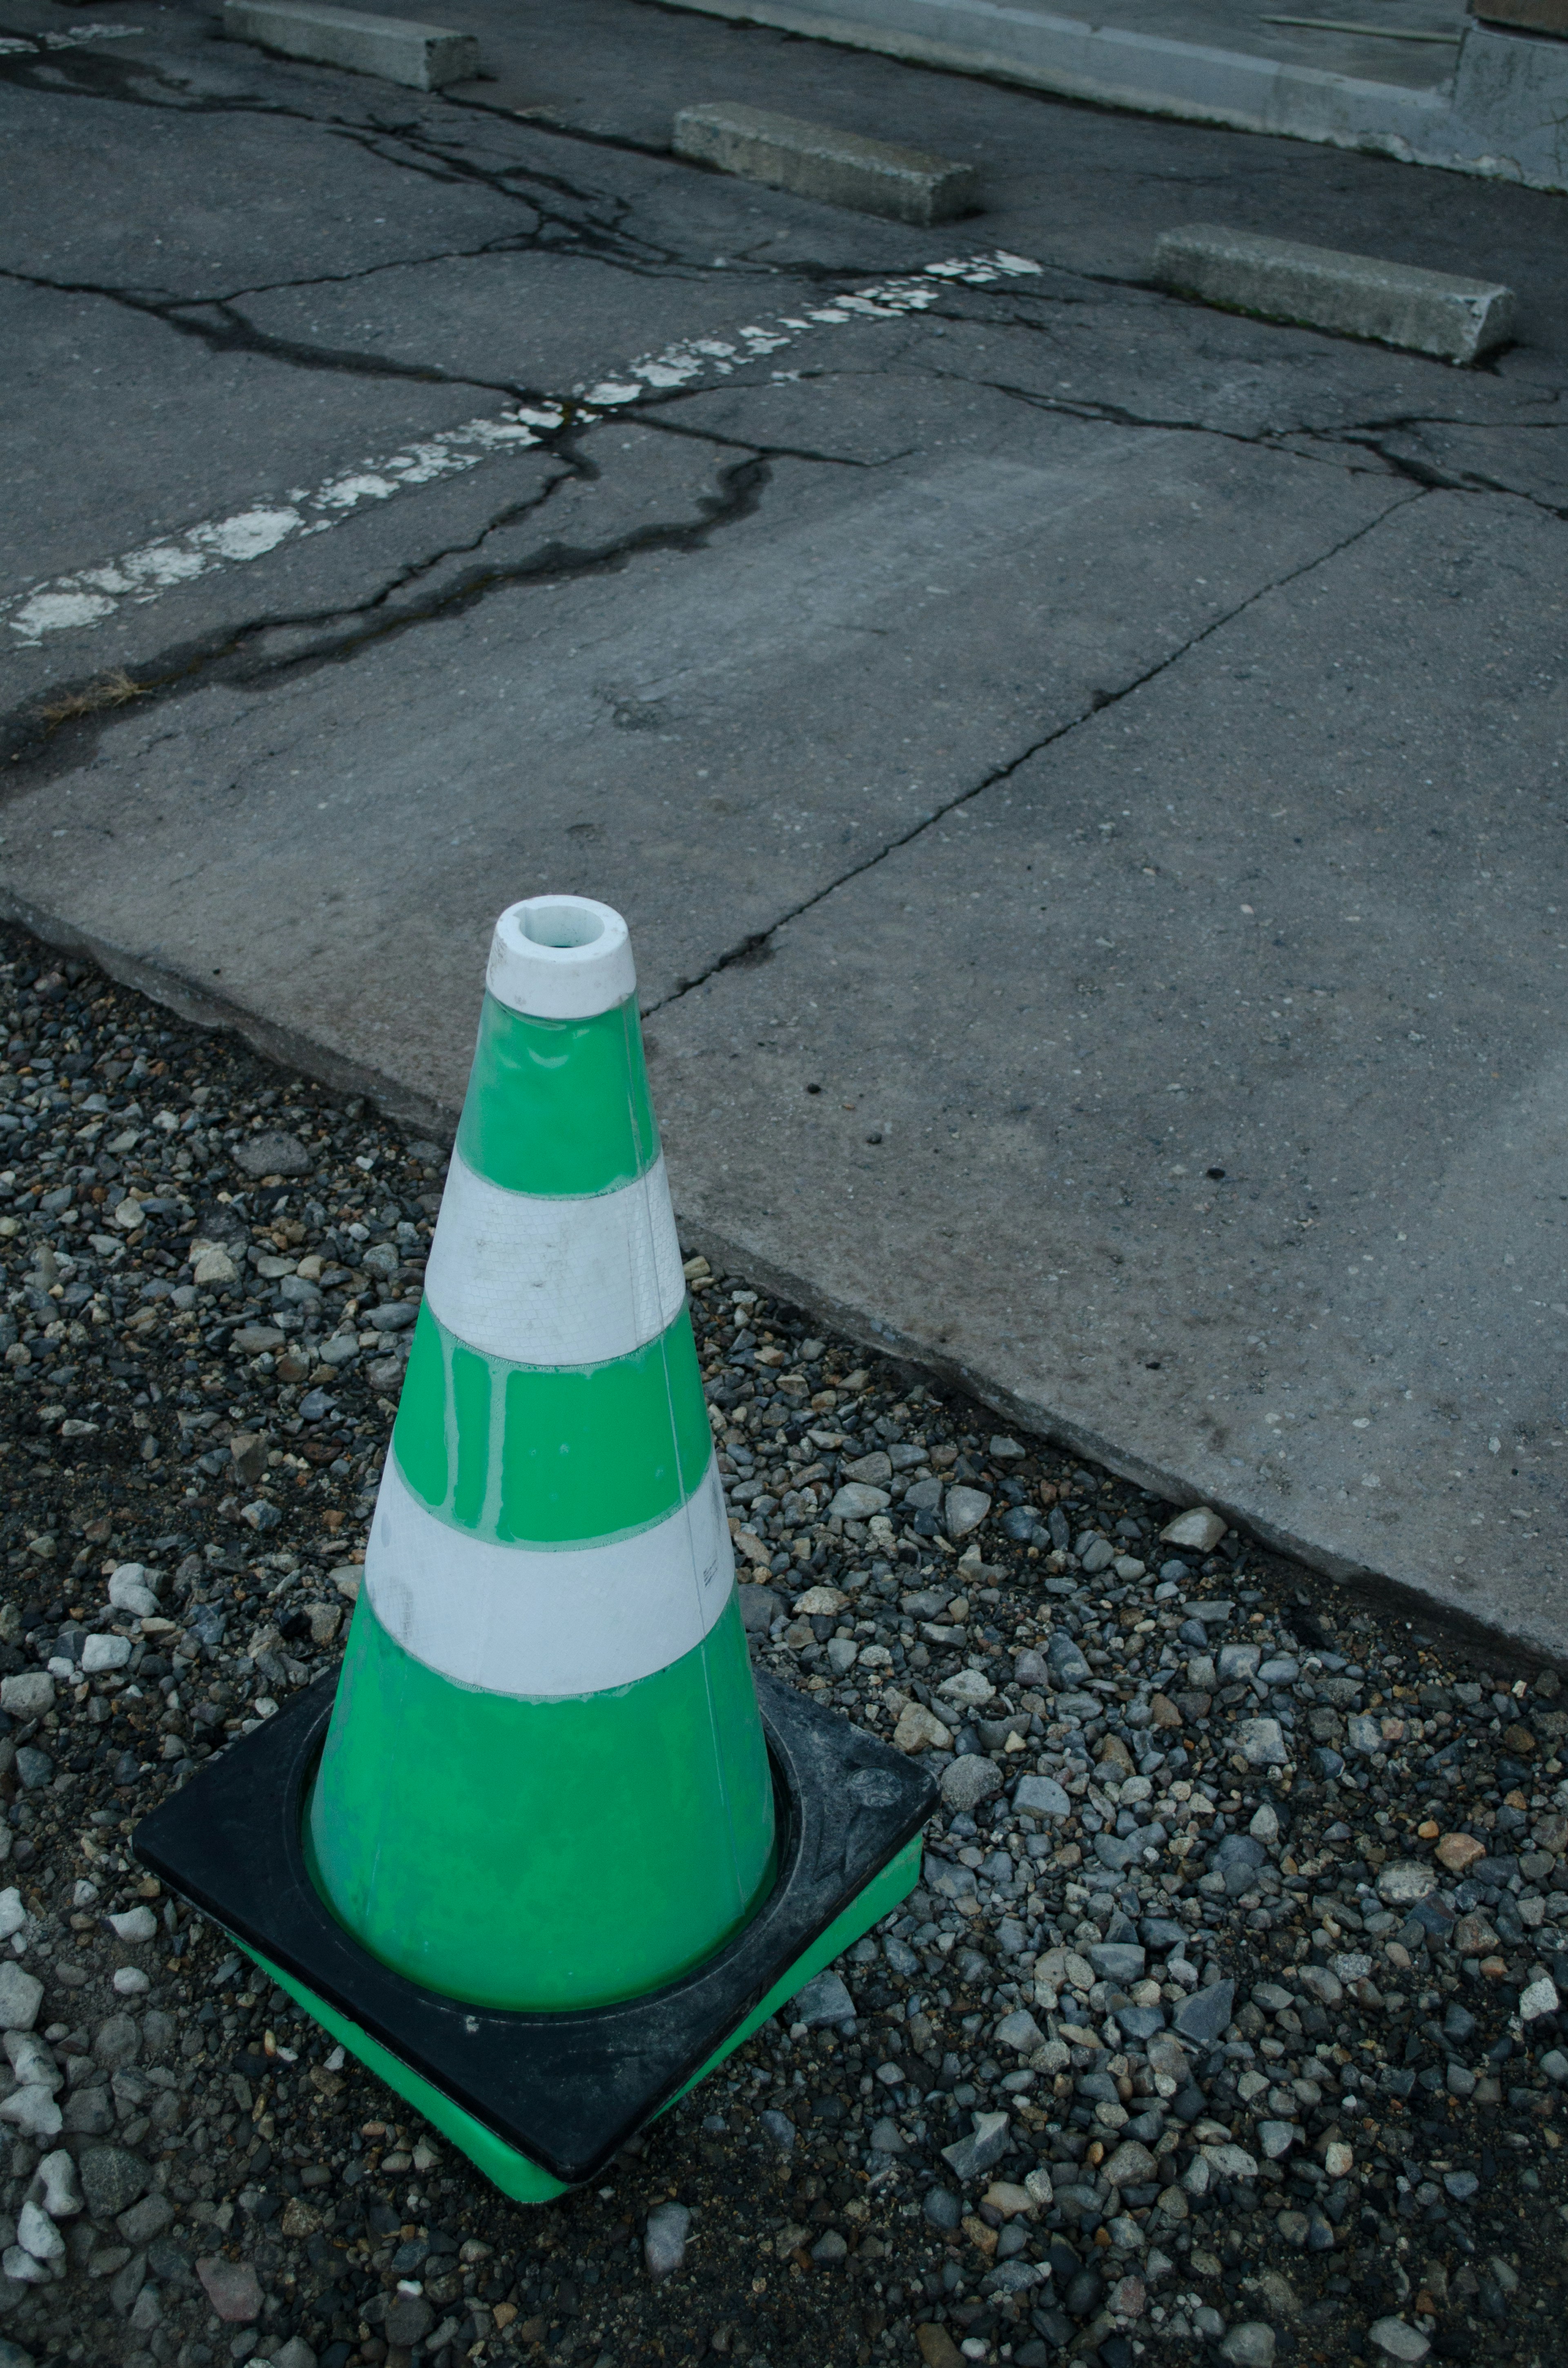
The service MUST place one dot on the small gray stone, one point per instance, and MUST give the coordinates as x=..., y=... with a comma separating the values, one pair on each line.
x=1261, y=1742
x=410, y=2318
x=1098, y=1556
x=1461, y=2185
x=965, y=1509
x=1204, y=2017
x=1020, y=2031
x=113, y=2179
x=270, y=1153
x=823, y=2002
x=986, y=2144
x=942, y=2208
x=1066, y=1659
x=969, y=1781
x=885, y=2138
x=145, y=2220
x=1236, y=1661
x=857, y=1502
x=781, y=2130
x=1276, y=2138
x=1320, y=1984
x=1042, y=1796
x=1132, y=2165
x=1363, y=1732
x=876, y=1469
x=1116, y=1960
x=88, y=2113
x=1249, y=2345
x=116, y=2041
x=830, y=2246
x=759, y=1609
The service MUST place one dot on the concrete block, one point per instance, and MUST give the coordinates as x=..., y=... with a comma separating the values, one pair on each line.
x=1424, y=312
x=393, y=48
x=813, y=161
x=1526, y=16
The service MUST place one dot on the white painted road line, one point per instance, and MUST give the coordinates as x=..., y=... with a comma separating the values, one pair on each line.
x=88, y=598
x=75, y=37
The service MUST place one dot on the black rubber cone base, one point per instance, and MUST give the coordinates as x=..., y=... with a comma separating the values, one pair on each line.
x=564, y=2090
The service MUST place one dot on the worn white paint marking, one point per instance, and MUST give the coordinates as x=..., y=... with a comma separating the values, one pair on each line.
x=75, y=37
x=87, y=599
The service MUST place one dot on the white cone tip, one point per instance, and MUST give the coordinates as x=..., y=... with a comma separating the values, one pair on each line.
x=561, y=958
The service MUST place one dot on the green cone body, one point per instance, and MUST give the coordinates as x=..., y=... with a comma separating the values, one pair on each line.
x=545, y=1784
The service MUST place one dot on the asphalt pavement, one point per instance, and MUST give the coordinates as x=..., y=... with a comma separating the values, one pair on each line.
x=1081, y=769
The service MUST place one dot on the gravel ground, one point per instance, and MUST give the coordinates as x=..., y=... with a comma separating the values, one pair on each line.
x=1224, y=2025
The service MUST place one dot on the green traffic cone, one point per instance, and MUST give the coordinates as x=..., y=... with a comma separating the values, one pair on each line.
x=547, y=1672
x=546, y=1812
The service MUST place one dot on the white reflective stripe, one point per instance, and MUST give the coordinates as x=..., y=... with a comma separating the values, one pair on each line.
x=512, y=1619
x=555, y=1281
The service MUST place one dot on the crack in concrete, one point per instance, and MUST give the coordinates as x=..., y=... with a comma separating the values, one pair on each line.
x=28, y=732
x=756, y=947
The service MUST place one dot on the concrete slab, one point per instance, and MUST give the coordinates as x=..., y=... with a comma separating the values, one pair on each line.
x=394, y=49
x=815, y=160
x=1358, y=295
x=1200, y=1093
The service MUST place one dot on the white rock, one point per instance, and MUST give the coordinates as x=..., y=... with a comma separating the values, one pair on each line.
x=1265, y=1826
x=33, y=2110
x=212, y=1269
x=19, y=2263
x=61, y=2188
x=12, y=1914
x=1538, y=1997
x=821, y=1600
x=131, y=1982
x=33, y=2062
x=1338, y=2160
x=28, y=1695
x=663, y=2239
x=37, y=2232
x=1405, y=1882
x=21, y=1995
x=101, y=1653
x=1249, y=2345
x=1276, y=2138
x=134, y=1924
x=1199, y=1529
x=1400, y=2342
x=970, y=1687
x=130, y=1590
x=920, y=1729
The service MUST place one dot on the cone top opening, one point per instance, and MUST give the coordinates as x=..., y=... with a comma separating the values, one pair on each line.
x=561, y=958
